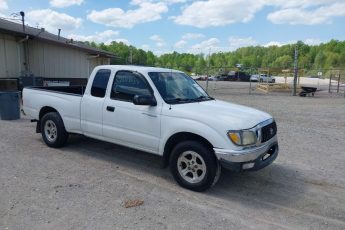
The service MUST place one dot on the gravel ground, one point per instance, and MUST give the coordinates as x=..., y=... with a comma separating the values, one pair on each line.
x=85, y=184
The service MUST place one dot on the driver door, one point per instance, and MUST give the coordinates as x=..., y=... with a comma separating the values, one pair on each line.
x=132, y=125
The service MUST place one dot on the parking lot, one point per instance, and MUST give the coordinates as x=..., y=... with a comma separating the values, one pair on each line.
x=85, y=184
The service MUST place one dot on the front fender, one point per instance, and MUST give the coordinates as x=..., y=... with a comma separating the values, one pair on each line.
x=173, y=125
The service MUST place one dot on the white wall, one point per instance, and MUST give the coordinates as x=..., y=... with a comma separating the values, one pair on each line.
x=53, y=61
x=45, y=59
x=10, y=58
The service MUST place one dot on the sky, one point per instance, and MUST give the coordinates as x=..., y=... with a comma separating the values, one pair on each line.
x=186, y=25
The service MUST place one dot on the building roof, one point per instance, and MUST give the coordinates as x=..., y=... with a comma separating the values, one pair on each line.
x=40, y=34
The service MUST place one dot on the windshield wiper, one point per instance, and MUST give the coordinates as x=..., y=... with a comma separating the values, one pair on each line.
x=186, y=100
x=177, y=100
x=203, y=98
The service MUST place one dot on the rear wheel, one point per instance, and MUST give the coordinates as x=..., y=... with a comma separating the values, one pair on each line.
x=53, y=130
x=194, y=166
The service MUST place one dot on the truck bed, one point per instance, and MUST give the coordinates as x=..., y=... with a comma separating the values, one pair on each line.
x=64, y=99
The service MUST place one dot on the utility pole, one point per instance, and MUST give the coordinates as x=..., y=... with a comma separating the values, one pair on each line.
x=295, y=72
x=208, y=68
x=131, y=56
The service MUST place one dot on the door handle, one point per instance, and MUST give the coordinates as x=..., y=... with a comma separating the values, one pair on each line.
x=149, y=114
x=110, y=108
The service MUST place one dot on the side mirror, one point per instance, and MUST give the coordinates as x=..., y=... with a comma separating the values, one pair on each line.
x=144, y=100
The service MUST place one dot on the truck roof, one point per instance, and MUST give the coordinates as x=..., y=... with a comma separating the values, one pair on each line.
x=144, y=69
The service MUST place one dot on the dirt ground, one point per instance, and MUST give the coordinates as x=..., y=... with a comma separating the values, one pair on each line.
x=86, y=184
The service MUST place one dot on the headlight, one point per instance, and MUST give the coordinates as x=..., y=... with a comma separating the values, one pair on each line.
x=243, y=137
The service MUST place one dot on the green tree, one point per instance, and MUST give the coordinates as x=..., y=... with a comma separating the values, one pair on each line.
x=285, y=61
x=311, y=57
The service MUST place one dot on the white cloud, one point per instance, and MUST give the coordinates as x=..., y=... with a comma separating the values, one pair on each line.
x=159, y=41
x=187, y=37
x=279, y=44
x=65, y=3
x=210, y=45
x=3, y=5
x=312, y=41
x=138, y=2
x=213, y=45
x=192, y=36
x=109, y=33
x=116, y=17
x=174, y=1
x=308, y=41
x=180, y=44
x=299, y=3
x=210, y=13
x=275, y=43
x=236, y=42
x=145, y=47
x=319, y=15
x=106, y=37
x=218, y=12
x=52, y=20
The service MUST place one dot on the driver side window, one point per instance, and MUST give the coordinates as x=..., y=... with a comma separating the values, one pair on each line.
x=128, y=84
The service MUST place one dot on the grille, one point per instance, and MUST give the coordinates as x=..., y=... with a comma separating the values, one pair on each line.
x=268, y=132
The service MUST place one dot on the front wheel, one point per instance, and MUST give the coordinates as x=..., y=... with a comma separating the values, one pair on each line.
x=53, y=130
x=194, y=166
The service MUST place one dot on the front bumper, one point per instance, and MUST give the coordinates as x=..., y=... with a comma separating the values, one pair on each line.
x=250, y=159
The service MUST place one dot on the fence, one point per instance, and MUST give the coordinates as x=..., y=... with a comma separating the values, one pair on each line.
x=325, y=80
x=337, y=84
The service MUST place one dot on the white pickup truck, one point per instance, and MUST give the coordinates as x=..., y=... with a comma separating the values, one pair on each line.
x=160, y=111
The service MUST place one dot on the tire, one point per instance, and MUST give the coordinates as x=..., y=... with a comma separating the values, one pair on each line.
x=273, y=81
x=302, y=94
x=203, y=170
x=53, y=130
x=261, y=80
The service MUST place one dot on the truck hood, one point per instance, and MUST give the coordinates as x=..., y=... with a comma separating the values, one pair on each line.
x=219, y=114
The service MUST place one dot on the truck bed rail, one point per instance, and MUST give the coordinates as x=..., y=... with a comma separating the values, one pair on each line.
x=73, y=90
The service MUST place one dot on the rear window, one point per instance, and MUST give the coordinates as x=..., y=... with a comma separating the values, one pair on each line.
x=100, y=82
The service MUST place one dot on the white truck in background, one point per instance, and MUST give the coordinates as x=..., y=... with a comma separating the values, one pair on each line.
x=160, y=111
x=263, y=78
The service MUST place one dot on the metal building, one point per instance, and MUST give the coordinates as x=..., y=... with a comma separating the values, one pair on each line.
x=28, y=51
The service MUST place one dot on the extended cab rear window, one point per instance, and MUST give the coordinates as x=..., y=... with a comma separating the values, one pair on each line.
x=100, y=82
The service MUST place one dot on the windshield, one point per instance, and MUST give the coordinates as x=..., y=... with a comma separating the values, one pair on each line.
x=175, y=87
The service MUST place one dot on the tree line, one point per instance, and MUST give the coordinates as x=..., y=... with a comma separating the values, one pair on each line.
x=311, y=58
